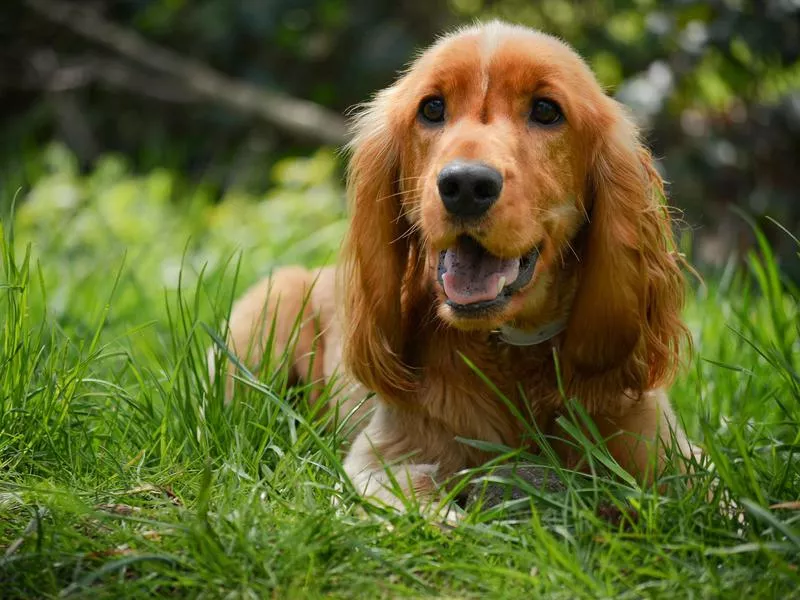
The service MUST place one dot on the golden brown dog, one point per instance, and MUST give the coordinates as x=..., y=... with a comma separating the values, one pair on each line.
x=504, y=212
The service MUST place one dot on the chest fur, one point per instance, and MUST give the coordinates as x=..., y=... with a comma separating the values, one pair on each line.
x=481, y=388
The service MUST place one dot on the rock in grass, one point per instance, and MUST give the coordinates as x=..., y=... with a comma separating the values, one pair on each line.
x=517, y=488
x=514, y=482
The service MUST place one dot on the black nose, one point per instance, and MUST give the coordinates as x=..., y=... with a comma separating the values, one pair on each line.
x=468, y=189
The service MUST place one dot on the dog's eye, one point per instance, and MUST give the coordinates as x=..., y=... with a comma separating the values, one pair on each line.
x=546, y=112
x=431, y=110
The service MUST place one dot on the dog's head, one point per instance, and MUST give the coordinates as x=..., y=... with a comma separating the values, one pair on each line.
x=492, y=163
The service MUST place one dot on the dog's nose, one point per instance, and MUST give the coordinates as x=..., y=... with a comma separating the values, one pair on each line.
x=468, y=189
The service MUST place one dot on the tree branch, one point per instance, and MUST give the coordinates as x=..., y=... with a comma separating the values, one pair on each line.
x=298, y=117
x=111, y=73
x=70, y=116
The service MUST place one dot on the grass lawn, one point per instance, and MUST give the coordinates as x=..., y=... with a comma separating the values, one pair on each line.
x=122, y=473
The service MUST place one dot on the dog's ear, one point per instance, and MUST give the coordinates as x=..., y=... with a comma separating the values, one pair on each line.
x=375, y=257
x=625, y=329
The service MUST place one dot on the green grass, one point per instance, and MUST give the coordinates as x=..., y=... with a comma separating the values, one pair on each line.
x=123, y=473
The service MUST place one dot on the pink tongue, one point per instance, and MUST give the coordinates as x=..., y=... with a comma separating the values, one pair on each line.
x=472, y=275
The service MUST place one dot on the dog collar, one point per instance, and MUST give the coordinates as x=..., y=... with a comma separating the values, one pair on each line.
x=520, y=337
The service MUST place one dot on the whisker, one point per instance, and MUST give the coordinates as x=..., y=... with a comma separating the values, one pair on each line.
x=415, y=227
x=400, y=193
x=545, y=211
x=585, y=212
x=569, y=245
x=409, y=214
x=411, y=178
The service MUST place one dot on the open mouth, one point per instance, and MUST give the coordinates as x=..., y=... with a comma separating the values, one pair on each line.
x=476, y=281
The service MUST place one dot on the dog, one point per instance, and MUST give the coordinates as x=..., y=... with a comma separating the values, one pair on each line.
x=509, y=249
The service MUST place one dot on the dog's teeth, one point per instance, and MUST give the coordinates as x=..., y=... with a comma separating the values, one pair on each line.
x=501, y=284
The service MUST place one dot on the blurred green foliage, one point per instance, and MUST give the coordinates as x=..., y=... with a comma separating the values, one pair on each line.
x=715, y=84
x=90, y=227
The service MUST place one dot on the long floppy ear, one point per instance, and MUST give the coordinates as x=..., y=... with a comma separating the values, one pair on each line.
x=375, y=256
x=625, y=330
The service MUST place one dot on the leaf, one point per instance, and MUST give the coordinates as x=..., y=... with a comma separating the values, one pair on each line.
x=793, y=505
x=767, y=517
x=118, y=509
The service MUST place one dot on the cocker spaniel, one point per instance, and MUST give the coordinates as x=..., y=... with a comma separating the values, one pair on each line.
x=509, y=248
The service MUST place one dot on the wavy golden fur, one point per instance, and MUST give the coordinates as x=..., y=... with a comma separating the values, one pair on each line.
x=579, y=194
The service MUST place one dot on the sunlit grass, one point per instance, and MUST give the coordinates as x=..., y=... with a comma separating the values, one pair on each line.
x=125, y=473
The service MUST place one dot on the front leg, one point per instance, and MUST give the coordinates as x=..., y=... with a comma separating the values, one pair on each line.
x=401, y=456
x=639, y=435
